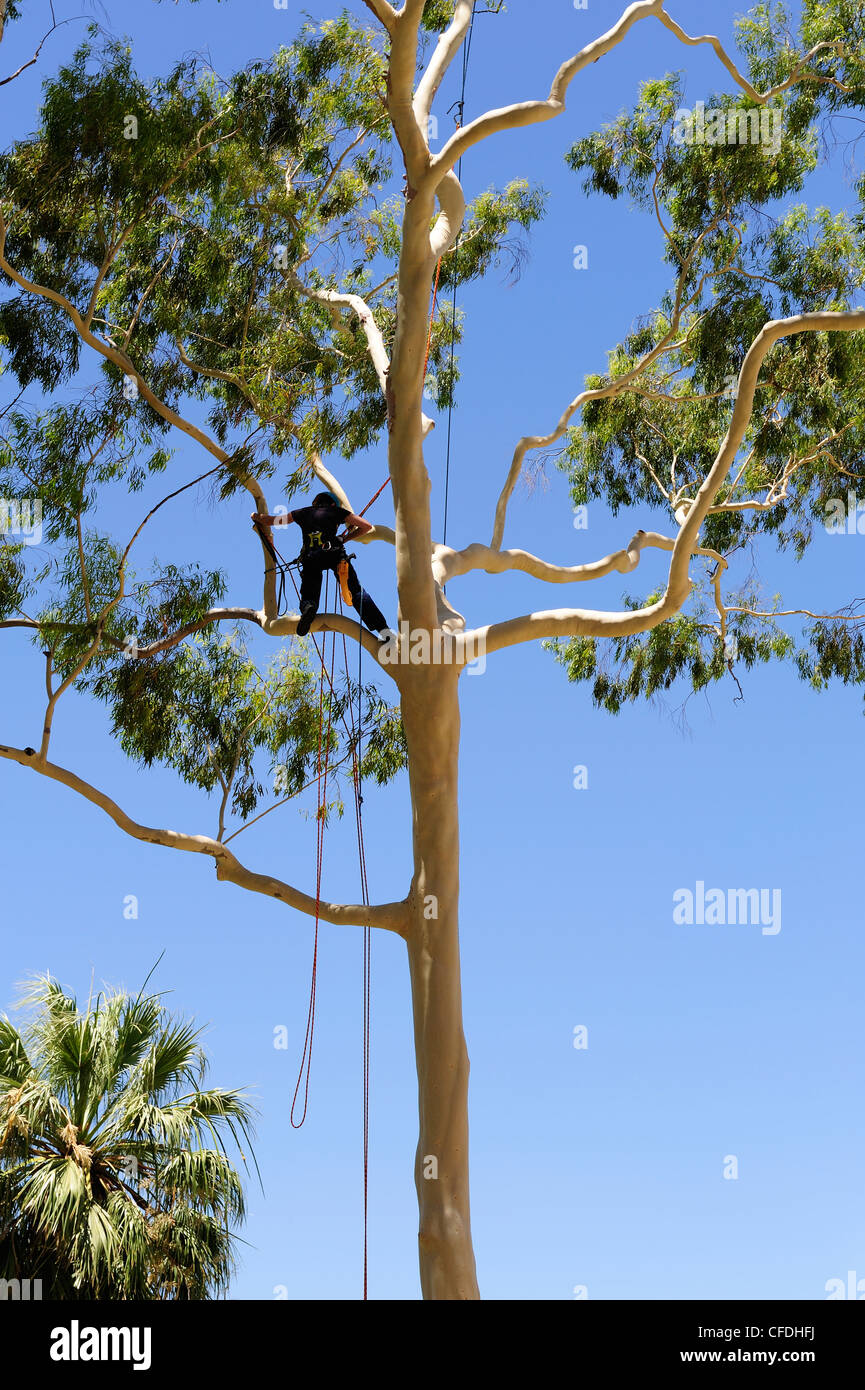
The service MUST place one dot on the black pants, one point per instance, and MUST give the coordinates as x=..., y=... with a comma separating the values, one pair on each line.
x=311, y=574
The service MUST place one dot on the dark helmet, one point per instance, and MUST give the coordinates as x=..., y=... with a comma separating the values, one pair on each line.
x=325, y=499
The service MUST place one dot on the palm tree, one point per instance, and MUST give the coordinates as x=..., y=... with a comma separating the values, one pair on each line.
x=115, y=1182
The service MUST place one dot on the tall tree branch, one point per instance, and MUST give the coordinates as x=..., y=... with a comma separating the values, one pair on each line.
x=450, y=564
x=229, y=869
x=448, y=46
x=372, y=332
x=573, y=622
x=667, y=343
x=448, y=224
x=531, y=112
x=796, y=75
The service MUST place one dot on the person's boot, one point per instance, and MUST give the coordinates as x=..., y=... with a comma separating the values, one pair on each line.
x=307, y=614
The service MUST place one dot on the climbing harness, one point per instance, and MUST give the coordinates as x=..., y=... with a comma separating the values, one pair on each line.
x=284, y=567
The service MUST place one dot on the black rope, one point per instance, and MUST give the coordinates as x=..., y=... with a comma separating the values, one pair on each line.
x=280, y=565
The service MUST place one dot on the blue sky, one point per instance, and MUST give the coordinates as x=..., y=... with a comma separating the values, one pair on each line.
x=600, y=1167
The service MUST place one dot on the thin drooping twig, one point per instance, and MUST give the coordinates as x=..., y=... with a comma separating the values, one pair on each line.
x=58, y=24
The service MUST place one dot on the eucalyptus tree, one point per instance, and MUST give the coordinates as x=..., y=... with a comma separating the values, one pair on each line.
x=234, y=256
x=115, y=1180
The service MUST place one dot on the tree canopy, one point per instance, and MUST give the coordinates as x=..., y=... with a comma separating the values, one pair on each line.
x=177, y=216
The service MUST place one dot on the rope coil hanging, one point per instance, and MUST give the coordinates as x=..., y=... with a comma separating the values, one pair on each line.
x=354, y=731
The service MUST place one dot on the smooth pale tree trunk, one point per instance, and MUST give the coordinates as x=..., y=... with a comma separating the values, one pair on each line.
x=431, y=718
x=430, y=710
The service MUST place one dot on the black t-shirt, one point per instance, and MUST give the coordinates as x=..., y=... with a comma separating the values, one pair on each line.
x=319, y=525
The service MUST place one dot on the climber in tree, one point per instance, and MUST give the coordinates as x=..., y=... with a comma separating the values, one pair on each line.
x=323, y=550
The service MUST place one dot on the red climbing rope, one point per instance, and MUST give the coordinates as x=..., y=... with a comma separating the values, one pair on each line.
x=376, y=497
